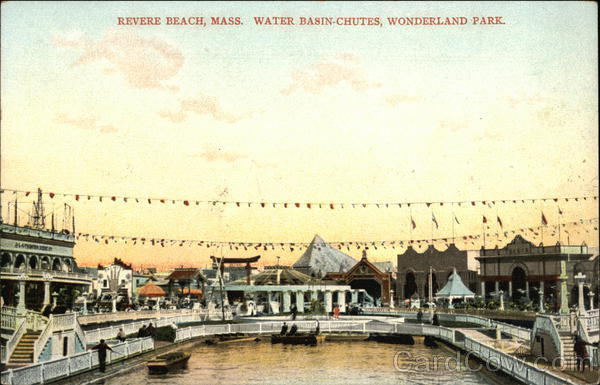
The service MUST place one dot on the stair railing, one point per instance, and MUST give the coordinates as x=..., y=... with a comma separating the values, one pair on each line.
x=13, y=341
x=548, y=325
x=43, y=338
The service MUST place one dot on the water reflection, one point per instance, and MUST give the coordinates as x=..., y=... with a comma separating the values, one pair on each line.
x=331, y=363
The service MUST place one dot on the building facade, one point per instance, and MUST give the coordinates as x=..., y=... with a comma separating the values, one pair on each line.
x=37, y=268
x=414, y=268
x=524, y=271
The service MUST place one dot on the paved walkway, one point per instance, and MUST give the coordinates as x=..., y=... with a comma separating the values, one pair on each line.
x=521, y=350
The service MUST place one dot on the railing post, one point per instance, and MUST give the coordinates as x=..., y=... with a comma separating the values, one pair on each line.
x=41, y=373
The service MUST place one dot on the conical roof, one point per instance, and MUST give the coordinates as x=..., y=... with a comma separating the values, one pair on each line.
x=151, y=290
x=320, y=258
x=455, y=287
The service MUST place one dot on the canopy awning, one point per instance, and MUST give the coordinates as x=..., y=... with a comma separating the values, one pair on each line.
x=151, y=290
x=455, y=288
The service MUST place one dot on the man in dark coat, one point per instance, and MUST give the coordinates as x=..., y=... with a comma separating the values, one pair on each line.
x=284, y=329
x=420, y=316
x=581, y=353
x=142, y=332
x=102, y=347
x=293, y=330
x=436, y=319
x=151, y=330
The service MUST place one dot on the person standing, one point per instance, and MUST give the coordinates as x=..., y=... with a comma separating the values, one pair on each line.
x=121, y=336
x=436, y=319
x=151, y=330
x=142, y=332
x=581, y=354
x=102, y=347
x=420, y=316
x=284, y=329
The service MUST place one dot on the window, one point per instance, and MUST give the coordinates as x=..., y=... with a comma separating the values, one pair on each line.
x=105, y=283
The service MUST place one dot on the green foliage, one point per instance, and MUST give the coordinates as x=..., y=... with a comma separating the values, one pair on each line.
x=165, y=333
x=316, y=307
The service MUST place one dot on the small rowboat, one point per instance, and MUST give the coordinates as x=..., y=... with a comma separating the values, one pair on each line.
x=298, y=339
x=165, y=362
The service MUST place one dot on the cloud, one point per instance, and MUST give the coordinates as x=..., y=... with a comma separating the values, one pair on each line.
x=85, y=123
x=201, y=105
x=343, y=68
x=143, y=62
x=217, y=154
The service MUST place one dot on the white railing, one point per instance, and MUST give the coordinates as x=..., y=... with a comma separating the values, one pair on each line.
x=519, y=369
x=548, y=324
x=110, y=332
x=12, y=342
x=131, y=315
x=60, y=274
x=10, y=318
x=66, y=366
x=56, y=322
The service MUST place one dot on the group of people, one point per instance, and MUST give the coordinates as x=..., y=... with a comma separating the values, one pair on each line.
x=435, y=320
x=149, y=331
x=294, y=329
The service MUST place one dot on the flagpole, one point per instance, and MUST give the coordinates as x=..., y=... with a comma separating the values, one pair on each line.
x=453, y=219
x=559, y=213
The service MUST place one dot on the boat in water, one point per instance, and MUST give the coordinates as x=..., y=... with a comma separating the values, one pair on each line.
x=168, y=361
x=297, y=339
x=347, y=337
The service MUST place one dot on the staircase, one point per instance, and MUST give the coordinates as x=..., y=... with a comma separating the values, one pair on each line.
x=23, y=353
x=568, y=343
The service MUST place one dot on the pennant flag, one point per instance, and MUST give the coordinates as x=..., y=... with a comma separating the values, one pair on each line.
x=499, y=221
x=559, y=211
x=412, y=222
x=484, y=219
x=187, y=203
x=27, y=194
x=149, y=201
x=297, y=204
x=76, y=197
x=237, y=204
x=544, y=220
x=262, y=204
x=51, y=195
x=456, y=220
x=331, y=206
x=308, y=205
x=434, y=221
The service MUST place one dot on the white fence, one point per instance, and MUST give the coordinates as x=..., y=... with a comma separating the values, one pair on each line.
x=110, y=332
x=48, y=371
x=511, y=330
x=131, y=315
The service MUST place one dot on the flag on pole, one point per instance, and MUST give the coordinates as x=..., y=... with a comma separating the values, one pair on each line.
x=484, y=219
x=499, y=221
x=544, y=220
x=434, y=220
x=559, y=211
x=456, y=220
x=412, y=222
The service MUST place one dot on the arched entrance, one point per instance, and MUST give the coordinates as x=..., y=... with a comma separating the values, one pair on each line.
x=20, y=262
x=371, y=286
x=6, y=260
x=56, y=265
x=410, y=285
x=33, y=262
x=518, y=279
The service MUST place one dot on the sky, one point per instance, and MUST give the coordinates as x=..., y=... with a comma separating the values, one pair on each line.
x=298, y=113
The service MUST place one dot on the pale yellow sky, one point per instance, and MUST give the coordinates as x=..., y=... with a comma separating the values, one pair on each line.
x=299, y=114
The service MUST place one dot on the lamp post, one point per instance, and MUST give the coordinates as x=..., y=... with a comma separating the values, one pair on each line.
x=580, y=278
x=591, y=295
x=501, y=294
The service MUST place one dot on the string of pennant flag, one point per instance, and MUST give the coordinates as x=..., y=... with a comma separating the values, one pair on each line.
x=307, y=205
x=582, y=224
